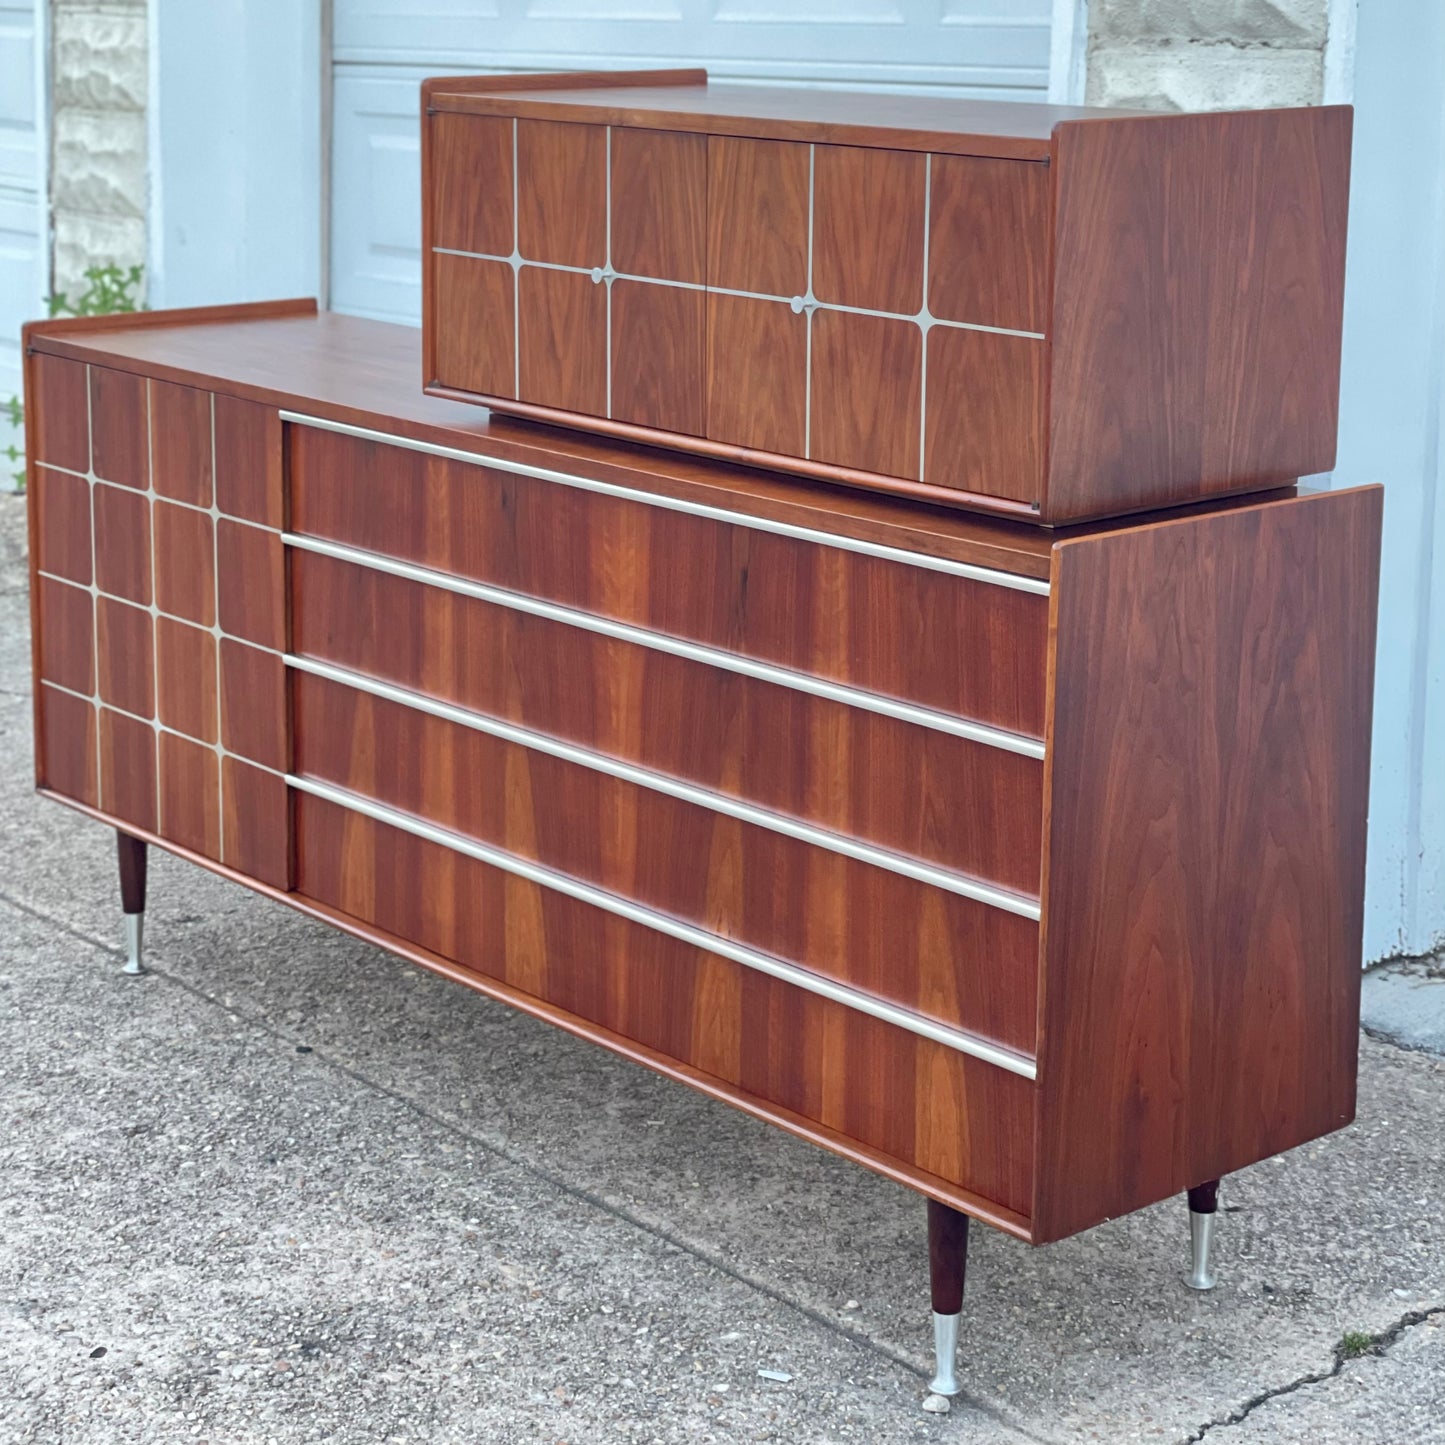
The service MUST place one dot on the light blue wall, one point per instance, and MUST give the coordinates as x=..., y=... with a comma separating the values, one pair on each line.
x=236, y=171
x=1391, y=393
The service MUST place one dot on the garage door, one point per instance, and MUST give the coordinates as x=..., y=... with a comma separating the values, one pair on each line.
x=21, y=259
x=382, y=49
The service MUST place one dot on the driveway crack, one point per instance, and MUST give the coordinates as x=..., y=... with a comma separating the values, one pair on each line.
x=1359, y=1346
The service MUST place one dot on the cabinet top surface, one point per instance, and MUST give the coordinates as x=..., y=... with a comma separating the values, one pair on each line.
x=1015, y=129
x=368, y=374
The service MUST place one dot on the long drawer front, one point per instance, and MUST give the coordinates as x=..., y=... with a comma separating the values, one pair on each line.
x=907, y=1097
x=763, y=804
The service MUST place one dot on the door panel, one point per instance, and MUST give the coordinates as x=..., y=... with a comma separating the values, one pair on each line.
x=562, y=193
x=659, y=204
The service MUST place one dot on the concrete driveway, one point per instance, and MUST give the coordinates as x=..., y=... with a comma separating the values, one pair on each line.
x=287, y=1188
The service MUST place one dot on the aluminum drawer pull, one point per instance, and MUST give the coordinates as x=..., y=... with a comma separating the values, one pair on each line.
x=931, y=874
x=990, y=575
x=791, y=973
x=676, y=646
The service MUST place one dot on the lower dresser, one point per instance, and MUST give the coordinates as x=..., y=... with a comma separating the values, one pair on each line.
x=1023, y=867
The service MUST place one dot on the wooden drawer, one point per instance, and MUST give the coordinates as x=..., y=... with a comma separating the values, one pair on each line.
x=1021, y=312
x=918, y=790
x=962, y=640
x=935, y=952
x=906, y=1099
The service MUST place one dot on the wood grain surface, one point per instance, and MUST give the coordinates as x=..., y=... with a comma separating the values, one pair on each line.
x=757, y=374
x=868, y=228
x=967, y=648
x=1010, y=129
x=866, y=392
x=1209, y=778
x=248, y=461
x=66, y=632
x=985, y=408
x=122, y=543
x=185, y=563
x=563, y=338
x=125, y=657
x=254, y=715
x=757, y=216
x=472, y=204
x=920, y=1103
x=562, y=193
x=1198, y=295
x=250, y=580
x=658, y=356
x=946, y=957
x=61, y=503
x=120, y=428
x=181, y=462
x=989, y=241
x=190, y=795
x=920, y=792
x=256, y=823
x=659, y=204
x=57, y=407
x=186, y=679
x=128, y=769
x=476, y=351
x=65, y=745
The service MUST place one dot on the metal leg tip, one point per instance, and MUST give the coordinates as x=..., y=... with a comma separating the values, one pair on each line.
x=945, y=1355
x=1201, y=1237
x=134, y=940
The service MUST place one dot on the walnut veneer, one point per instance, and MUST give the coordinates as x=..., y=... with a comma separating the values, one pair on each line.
x=1056, y=313
x=1023, y=867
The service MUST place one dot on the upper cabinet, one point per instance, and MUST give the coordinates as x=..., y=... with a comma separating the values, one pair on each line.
x=1056, y=314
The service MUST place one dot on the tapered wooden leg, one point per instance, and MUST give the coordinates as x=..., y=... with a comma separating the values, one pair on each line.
x=1203, y=1205
x=947, y=1264
x=132, y=857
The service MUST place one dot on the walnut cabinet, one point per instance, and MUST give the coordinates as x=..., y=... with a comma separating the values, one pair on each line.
x=1024, y=867
x=1055, y=314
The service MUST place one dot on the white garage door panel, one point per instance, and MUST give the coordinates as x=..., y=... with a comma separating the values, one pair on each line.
x=376, y=195
x=383, y=49
x=998, y=47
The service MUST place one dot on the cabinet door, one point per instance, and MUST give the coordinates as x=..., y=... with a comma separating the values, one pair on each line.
x=473, y=306
x=988, y=244
x=879, y=310
x=658, y=265
x=758, y=268
x=815, y=270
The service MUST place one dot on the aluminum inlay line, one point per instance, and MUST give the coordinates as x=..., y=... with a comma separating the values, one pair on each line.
x=700, y=938
x=929, y=563
x=924, y=318
x=676, y=646
x=933, y=875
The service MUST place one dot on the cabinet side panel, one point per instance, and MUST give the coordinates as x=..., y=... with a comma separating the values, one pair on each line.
x=1197, y=305
x=1208, y=783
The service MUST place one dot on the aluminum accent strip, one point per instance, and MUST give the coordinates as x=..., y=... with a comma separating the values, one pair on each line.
x=973, y=573
x=923, y=317
x=676, y=646
x=931, y=874
x=778, y=968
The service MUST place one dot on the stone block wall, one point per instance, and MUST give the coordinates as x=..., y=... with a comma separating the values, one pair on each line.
x=99, y=169
x=1206, y=54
